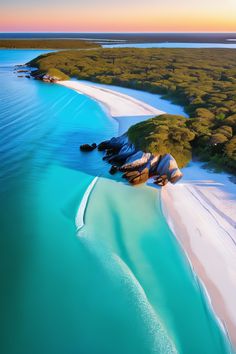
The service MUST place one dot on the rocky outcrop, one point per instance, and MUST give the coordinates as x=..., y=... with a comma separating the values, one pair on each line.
x=87, y=147
x=45, y=77
x=137, y=166
x=23, y=71
x=28, y=72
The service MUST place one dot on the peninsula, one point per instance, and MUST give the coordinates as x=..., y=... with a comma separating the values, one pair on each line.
x=200, y=209
x=201, y=80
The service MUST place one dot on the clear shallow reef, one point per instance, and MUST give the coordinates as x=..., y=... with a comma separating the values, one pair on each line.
x=122, y=286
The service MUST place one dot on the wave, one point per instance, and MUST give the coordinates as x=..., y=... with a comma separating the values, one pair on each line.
x=207, y=300
x=155, y=338
x=80, y=216
x=162, y=342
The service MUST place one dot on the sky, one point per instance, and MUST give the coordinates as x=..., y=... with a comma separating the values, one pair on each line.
x=117, y=15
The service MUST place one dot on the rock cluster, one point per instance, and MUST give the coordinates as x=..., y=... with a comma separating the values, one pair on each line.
x=24, y=72
x=34, y=73
x=45, y=77
x=137, y=166
x=87, y=147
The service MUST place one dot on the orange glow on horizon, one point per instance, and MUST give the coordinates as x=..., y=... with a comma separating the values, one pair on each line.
x=118, y=19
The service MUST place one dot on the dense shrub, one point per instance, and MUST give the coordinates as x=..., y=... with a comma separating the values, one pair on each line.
x=202, y=80
x=164, y=134
x=47, y=43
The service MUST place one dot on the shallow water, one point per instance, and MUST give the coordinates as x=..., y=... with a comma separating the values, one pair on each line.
x=122, y=286
x=172, y=45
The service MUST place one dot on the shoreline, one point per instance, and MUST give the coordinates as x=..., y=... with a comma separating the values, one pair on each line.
x=199, y=211
x=118, y=104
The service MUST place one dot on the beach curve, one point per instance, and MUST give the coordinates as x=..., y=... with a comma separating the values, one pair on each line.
x=196, y=237
x=201, y=214
x=118, y=104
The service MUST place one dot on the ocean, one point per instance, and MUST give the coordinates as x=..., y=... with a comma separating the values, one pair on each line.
x=121, y=284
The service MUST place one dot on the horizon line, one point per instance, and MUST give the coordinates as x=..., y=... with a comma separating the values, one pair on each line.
x=121, y=32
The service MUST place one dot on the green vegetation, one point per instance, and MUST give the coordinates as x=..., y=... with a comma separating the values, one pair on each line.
x=47, y=44
x=202, y=80
x=59, y=75
x=164, y=134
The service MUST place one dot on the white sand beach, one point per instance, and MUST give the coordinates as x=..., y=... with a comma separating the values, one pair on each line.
x=200, y=209
x=118, y=104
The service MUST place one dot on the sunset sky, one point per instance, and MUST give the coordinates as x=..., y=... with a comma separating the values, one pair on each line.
x=118, y=16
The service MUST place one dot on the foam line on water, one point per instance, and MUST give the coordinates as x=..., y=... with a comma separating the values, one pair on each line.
x=160, y=341
x=80, y=216
x=206, y=295
x=163, y=342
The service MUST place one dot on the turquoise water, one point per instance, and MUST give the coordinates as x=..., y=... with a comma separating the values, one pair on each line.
x=122, y=286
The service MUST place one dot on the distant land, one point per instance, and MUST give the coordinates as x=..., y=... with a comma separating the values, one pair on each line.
x=47, y=44
x=103, y=38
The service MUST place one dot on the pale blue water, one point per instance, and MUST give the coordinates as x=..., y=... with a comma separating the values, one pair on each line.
x=12, y=57
x=229, y=45
x=123, y=286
